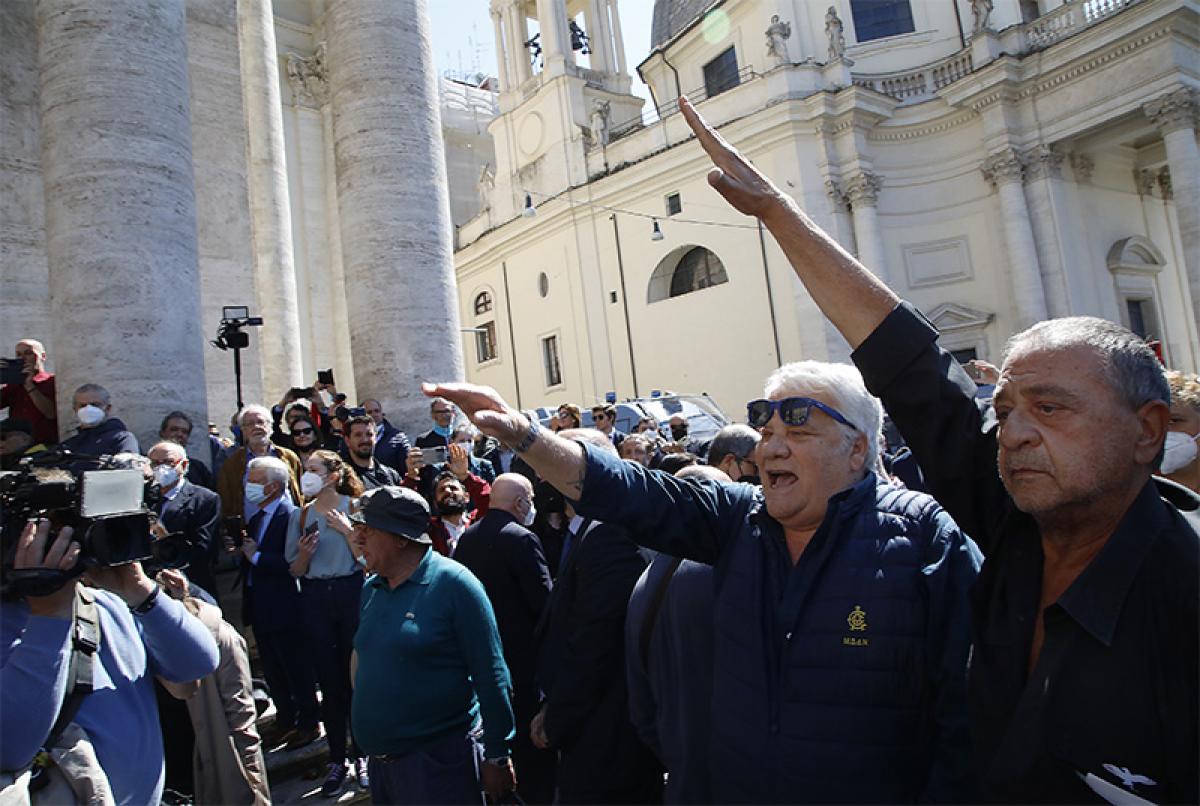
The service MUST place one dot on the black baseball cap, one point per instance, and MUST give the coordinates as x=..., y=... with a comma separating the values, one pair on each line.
x=14, y=425
x=397, y=510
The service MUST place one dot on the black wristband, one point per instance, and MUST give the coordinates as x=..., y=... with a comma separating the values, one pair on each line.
x=530, y=438
x=147, y=604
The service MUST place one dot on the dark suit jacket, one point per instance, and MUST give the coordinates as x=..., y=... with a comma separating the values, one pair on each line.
x=272, y=598
x=581, y=669
x=431, y=439
x=196, y=512
x=507, y=558
x=392, y=448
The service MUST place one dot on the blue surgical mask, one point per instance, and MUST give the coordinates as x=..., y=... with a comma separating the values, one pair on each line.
x=256, y=493
x=442, y=431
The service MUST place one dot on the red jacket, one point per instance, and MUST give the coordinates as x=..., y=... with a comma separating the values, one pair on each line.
x=480, y=493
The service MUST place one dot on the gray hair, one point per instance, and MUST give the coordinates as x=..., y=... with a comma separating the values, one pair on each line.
x=737, y=439
x=174, y=448
x=841, y=382
x=596, y=438
x=131, y=461
x=1130, y=367
x=257, y=409
x=96, y=389
x=464, y=429
x=276, y=469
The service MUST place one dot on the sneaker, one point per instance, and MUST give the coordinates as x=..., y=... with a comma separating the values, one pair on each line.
x=360, y=773
x=334, y=780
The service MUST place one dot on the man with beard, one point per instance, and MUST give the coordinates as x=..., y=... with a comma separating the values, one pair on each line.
x=454, y=492
x=360, y=450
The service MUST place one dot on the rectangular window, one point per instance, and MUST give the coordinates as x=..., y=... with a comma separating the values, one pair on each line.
x=721, y=74
x=485, y=341
x=1141, y=317
x=875, y=19
x=674, y=204
x=551, y=362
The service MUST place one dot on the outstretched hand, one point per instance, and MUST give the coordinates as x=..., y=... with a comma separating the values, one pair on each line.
x=484, y=407
x=734, y=177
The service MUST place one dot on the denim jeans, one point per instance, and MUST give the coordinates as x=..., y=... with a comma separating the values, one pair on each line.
x=444, y=771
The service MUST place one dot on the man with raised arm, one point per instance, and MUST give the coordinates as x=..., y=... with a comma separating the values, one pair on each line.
x=840, y=630
x=1083, y=679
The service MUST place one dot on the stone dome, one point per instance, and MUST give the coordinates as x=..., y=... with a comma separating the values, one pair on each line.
x=672, y=16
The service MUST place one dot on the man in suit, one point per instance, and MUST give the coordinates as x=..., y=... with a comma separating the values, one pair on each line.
x=255, y=424
x=581, y=665
x=272, y=602
x=177, y=427
x=391, y=444
x=188, y=509
x=507, y=558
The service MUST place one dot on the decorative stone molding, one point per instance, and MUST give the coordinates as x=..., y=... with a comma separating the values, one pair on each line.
x=1003, y=167
x=1143, y=180
x=308, y=77
x=1082, y=165
x=863, y=189
x=834, y=190
x=1164, y=183
x=1175, y=110
x=1043, y=162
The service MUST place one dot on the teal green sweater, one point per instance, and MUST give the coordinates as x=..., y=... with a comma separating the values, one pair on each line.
x=429, y=661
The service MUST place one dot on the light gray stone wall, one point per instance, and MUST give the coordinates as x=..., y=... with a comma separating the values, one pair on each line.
x=121, y=206
x=222, y=196
x=24, y=279
x=393, y=203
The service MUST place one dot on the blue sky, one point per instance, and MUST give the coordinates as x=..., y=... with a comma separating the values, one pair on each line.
x=463, y=38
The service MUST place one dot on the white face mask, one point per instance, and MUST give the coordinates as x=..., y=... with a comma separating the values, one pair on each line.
x=90, y=415
x=1179, y=451
x=166, y=476
x=311, y=484
x=529, y=516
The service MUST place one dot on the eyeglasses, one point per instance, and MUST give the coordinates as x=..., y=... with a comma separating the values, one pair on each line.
x=438, y=412
x=794, y=411
x=302, y=432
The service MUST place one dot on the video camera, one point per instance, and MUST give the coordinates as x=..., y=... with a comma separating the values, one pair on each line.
x=230, y=334
x=108, y=507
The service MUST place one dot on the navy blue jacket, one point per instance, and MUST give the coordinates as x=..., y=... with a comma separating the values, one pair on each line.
x=272, y=596
x=841, y=678
x=108, y=438
x=391, y=448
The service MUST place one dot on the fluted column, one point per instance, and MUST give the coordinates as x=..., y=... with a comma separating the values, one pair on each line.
x=502, y=60
x=270, y=208
x=121, y=207
x=1174, y=115
x=862, y=192
x=1005, y=172
x=1043, y=171
x=393, y=203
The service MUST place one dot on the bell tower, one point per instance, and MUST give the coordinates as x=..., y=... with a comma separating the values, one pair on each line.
x=564, y=86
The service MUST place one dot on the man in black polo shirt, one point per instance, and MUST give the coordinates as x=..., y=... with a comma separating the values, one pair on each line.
x=360, y=450
x=1083, y=679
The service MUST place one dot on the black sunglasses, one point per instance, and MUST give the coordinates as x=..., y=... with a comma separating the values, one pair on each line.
x=300, y=432
x=794, y=411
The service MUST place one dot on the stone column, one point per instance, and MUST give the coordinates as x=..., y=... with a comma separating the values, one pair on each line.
x=270, y=208
x=121, y=207
x=843, y=226
x=393, y=203
x=520, y=57
x=502, y=60
x=556, y=49
x=1043, y=173
x=618, y=37
x=862, y=191
x=1005, y=172
x=601, y=43
x=1174, y=115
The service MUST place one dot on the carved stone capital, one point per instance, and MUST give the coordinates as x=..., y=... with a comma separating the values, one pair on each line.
x=1164, y=183
x=1082, y=165
x=863, y=189
x=1003, y=167
x=308, y=77
x=1175, y=110
x=834, y=190
x=1143, y=180
x=1043, y=162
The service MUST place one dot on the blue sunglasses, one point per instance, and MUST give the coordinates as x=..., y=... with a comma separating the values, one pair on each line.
x=794, y=411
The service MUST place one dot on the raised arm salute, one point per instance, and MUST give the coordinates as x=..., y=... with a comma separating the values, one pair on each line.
x=1092, y=567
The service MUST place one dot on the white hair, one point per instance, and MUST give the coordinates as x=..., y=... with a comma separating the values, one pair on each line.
x=276, y=469
x=174, y=448
x=844, y=386
x=257, y=409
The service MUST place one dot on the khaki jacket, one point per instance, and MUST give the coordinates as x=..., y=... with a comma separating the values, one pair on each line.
x=229, y=483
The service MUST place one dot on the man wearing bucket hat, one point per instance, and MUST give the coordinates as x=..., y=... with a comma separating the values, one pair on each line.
x=429, y=665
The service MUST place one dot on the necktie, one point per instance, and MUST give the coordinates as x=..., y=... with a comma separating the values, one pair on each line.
x=571, y=540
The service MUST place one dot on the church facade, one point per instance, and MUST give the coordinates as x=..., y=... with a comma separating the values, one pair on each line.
x=997, y=163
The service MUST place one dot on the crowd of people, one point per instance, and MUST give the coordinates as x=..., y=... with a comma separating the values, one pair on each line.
x=891, y=583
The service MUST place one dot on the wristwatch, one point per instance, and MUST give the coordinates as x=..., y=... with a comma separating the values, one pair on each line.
x=147, y=604
x=530, y=438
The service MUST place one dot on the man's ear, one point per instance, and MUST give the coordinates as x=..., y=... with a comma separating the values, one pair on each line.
x=858, y=453
x=1153, y=418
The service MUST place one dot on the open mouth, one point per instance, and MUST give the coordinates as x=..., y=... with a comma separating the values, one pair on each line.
x=780, y=479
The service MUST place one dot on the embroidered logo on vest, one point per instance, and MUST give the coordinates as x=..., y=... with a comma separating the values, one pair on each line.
x=858, y=623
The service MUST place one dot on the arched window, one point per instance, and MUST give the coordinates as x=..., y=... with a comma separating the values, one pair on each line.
x=483, y=303
x=685, y=270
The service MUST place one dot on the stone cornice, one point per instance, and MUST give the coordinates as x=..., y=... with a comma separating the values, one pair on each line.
x=896, y=133
x=1173, y=111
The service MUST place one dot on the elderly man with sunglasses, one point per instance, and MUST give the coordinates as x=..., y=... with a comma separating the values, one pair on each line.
x=841, y=616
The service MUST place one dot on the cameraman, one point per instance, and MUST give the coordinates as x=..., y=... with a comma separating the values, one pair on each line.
x=142, y=635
